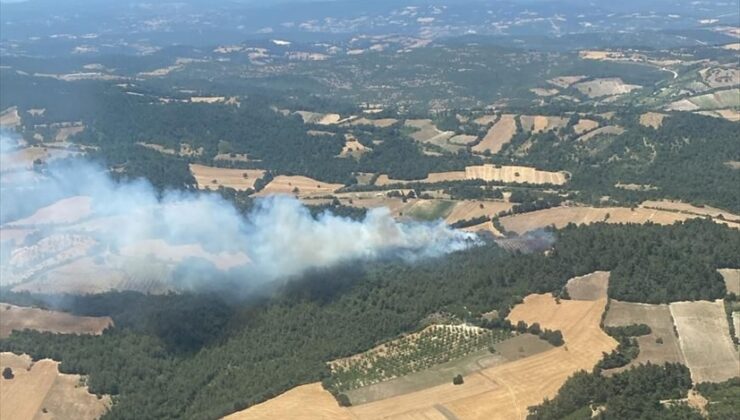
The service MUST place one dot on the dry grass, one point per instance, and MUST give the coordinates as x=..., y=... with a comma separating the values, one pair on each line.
x=19, y=318
x=589, y=287
x=605, y=87
x=685, y=208
x=38, y=390
x=658, y=318
x=585, y=125
x=613, y=130
x=173, y=254
x=561, y=216
x=383, y=180
x=469, y=209
x=210, y=178
x=652, y=119
x=541, y=123
x=318, y=118
x=498, y=135
x=305, y=186
x=732, y=280
x=23, y=159
x=514, y=174
x=485, y=119
x=704, y=337
x=305, y=402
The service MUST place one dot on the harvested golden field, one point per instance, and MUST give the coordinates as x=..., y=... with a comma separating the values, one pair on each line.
x=485, y=119
x=19, y=318
x=383, y=180
x=686, y=208
x=561, y=216
x=732, y=280
x=470, y=209
x=498, y=135
x=305, y=402
x=38, y=390
x=699, y=323
x=598, y=88
x=613, y=130
x=652, y=119
x=301, y=186
x=499, y=392
x=514, y=174
x=658, y=318
x=733, y=46
x=717, y=77
x=541, y=123
x=592, y=286
x=210, y=178
x=585, y=125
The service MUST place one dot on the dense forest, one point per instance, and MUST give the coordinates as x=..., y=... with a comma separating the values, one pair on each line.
x=167, y=359
x=633, y=394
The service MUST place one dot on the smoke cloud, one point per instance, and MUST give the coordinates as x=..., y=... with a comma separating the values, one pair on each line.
x=68, y=219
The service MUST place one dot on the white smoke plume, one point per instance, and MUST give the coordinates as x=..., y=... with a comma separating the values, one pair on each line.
x=73, y=214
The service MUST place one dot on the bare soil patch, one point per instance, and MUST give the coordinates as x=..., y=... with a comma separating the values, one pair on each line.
x=463, y=139
x=661, y=345
x=380, y=122
x=19, y=318
x=704, y=337
x=211, y=178
x=544, y=92
x=498, y=135
x=38, y=390
x=383, y=180
x=589, y=287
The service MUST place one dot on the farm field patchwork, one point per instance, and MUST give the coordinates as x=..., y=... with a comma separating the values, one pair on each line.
x=498, y=135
